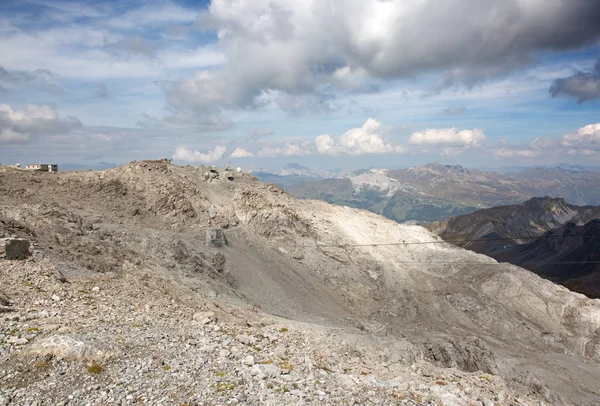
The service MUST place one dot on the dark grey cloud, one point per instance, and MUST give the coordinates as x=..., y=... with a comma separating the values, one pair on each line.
x=350, y=45
x=455, y=111
x=582, y=86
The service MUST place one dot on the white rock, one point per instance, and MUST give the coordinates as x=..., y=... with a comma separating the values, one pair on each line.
x=249, y=360
x=246, y=339
x=204, y=317
x=96, y=289
x=17, y=340
x=60, y=346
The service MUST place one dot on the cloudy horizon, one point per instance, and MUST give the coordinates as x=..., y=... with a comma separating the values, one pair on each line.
x=328, y=84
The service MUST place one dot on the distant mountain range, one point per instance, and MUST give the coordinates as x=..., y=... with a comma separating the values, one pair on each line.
x=293, y=173
x=433, y=192
x=550, y=237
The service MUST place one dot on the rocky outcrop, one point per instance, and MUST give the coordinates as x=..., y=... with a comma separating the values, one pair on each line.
x=510, y=234
x=569, y=255
x=14, y=248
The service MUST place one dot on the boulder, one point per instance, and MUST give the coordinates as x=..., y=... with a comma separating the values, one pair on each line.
x=70, y=348
x=14, y=248
x=60, y=346
x=204, y=317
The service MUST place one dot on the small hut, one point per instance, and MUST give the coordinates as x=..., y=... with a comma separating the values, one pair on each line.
x=215, y=237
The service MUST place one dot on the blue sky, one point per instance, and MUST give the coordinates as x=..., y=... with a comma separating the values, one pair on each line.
x=259, y=83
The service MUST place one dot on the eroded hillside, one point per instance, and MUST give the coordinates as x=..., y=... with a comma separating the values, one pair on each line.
x=392, y=287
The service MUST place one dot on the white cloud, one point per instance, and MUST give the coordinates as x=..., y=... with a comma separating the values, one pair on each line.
x=543, y=143
x=367, y=139
x=587, y=137
x=188, y=155
x=289, y=149
x=584, y=151
x=241, y=153
x=584, y=141
x=449, y=136
x=33, y=119
x=8, y=136
x=511, y=153
x=304, y=47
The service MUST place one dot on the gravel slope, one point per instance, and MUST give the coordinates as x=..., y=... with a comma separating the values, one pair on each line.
x=138, y=233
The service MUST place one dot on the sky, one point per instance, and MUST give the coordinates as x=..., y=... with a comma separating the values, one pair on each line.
x=324, y=83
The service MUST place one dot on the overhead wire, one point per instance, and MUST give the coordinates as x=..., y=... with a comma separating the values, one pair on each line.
x=405, y=243
x=319, y=245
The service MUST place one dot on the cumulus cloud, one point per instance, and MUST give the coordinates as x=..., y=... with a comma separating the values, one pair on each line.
x=584, y=141
x=586, y=138
x=17, y=125
x=368, y=139
x=241, y=153
x=449, y=136
x=304, y=47
x=582, y=86
x=188, y=155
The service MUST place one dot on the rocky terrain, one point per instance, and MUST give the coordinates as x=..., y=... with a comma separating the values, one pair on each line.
x=509, y=234
x=125, y=300
x=489, y=231
x=435, y=192
x=569, y=255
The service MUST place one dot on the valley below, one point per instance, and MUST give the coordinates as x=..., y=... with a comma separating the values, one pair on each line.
x=435, y=192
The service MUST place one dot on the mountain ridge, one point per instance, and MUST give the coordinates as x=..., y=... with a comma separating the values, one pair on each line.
x=433, y=192
x=510, y=234
x=305, y=261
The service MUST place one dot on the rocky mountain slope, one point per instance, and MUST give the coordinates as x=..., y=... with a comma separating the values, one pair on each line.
x=508, y=233
x=434, y=192
x=569, y=255
x=126, y=300
x=514, y=224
